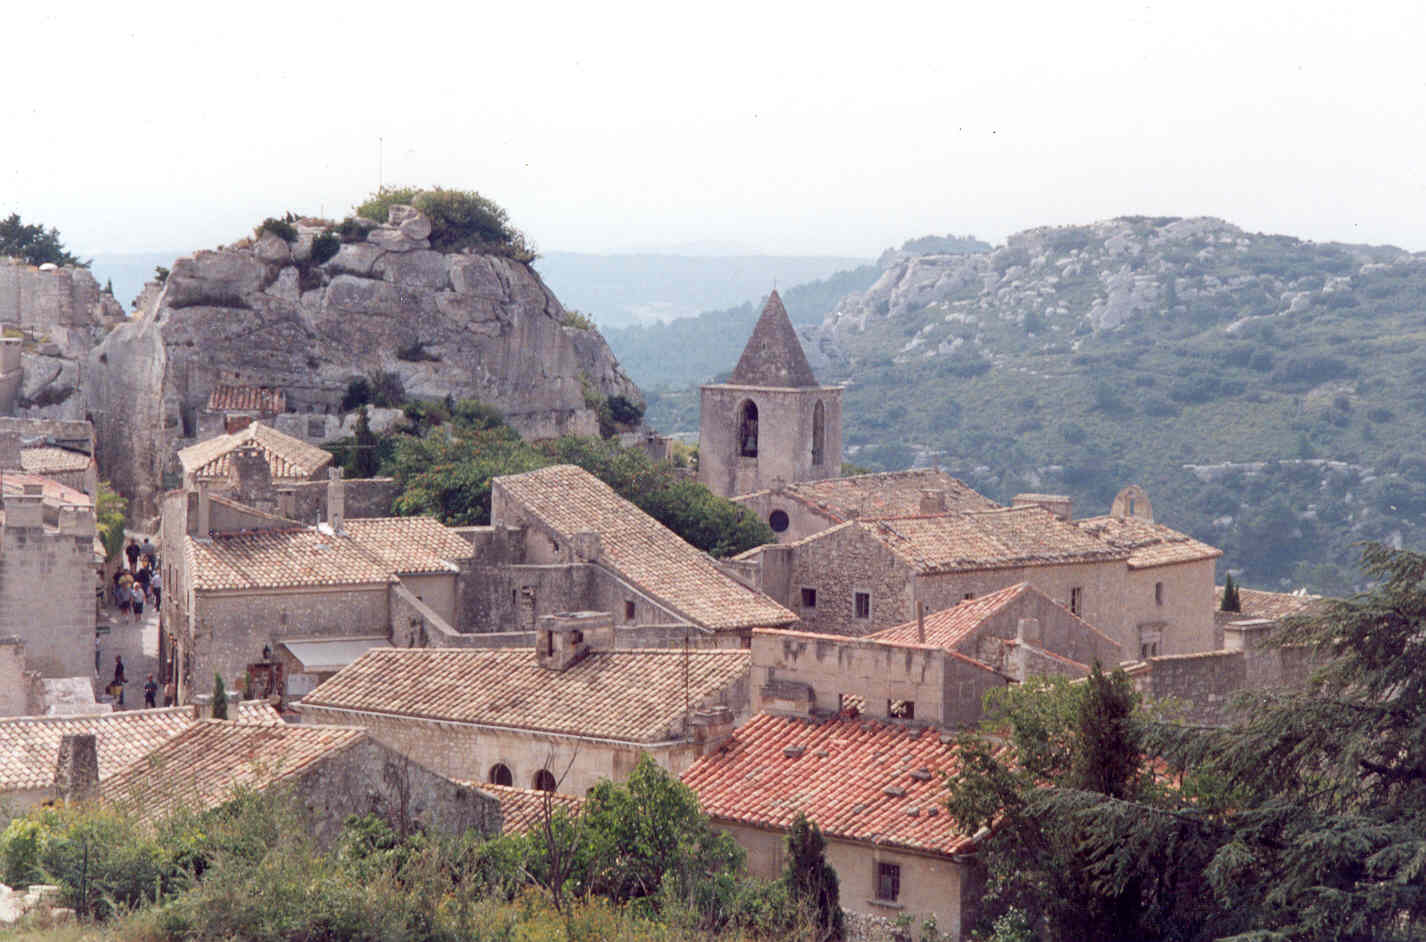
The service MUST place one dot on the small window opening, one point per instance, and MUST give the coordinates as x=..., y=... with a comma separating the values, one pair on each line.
x=629, y=610
x=1148, y=649
x=809, y=598
x=967, y=597
x=888, y=882
x=545, y=780
x=863, y=604
x=901, y=709
x=500, y=774
x=748, y=430
x=1158, y=593
x=819, y=434
x=1076, y=600
x=778, y=521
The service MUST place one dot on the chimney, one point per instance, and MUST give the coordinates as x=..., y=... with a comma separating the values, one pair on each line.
x=205, y=512
x=921, y=622
x=565, y=639
x=1061, y=505
x=10, y=451
x=336, y=500
x=287, y=503
x=76, y=775
x=587, y=546
x=711, y=728
x=249, y=473
x=933, y=500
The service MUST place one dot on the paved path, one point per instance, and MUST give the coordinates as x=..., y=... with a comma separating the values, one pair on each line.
x=136, y=643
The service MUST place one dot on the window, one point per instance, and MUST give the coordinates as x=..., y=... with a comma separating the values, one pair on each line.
x=819, y=434
x=500, y=774
x=545, y=780
x=809, y=598
x=1158, y=593
x=1148, y=649
x=901, y=709
x=863, y=604
x=778, y=521
x=1077, y=600
x=888, y=882
x=967, y=597
x=629, y=610
x=748, y=429
x=316, y=427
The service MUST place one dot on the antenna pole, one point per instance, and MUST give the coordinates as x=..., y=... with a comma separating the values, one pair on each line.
x=380, y=157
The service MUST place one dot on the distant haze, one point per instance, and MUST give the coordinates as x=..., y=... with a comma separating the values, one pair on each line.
x=789, y=129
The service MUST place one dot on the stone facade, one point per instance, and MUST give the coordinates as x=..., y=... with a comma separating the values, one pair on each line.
x=47, y=582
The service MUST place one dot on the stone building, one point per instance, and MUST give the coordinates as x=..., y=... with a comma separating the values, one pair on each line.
x=562, y=540
x=62, y=451
x=232, y=407
x=795, y=510
x=288, y=460
x=333, y=772
x=29, y=745
x=48, y=573
x=875, y=789
x=771, y=422
x=559, y=717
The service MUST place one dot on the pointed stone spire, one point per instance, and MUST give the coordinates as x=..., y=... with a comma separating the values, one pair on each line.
x=773, y=356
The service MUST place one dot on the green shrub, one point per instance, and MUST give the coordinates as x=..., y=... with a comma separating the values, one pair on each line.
x=625, y=411
x=358, y=393
x=351, y=231
x=415, y=352
x=325, y=246
x=387, y=390
x=281, y=228
x=460, y=219
x=577, y=319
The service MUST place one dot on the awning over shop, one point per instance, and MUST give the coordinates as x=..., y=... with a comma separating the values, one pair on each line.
x=328, y=655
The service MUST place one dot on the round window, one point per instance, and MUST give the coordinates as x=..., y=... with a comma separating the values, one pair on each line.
x=778, y=521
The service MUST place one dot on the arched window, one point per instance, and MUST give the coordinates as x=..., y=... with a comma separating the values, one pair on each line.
x=545, y=780
x=500, y=774
x=819, y=434
x=748, y=429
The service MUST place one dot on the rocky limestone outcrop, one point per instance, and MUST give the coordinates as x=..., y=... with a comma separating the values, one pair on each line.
x=58, y=314
x=260, y=312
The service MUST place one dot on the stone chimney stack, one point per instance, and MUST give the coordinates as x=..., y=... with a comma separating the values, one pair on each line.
x=565, y=639
x=1061, y=505
x=76, y=775
x=336, y=500
x=205, y=513
x=249, y=473
x=921, y=622
x=287, y=503
x=587, y=546
x=711, y=728
x=10, y=451
x=933, y=501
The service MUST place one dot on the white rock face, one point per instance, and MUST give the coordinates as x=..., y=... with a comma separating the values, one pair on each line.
x=465, y=325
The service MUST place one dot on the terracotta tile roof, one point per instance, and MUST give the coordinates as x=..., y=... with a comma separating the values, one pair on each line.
x=630, y=695
x=45, y=459
x=247, y=399
x=410, y=544
x=643, y=551
x=281, y=558
x=773, y=355
x=950, y=626
x=1259, y=604
x=994, y=539
x=200, y=767
x=858, y=779
x=291, y=459
x=29, y=745
x=888, y=494
x=1148, y=543
x=524, y=808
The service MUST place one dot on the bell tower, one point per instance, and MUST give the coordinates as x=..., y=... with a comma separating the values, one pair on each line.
x=771, y=421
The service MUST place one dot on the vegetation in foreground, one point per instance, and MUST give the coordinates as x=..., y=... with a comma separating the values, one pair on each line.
x=641, y=862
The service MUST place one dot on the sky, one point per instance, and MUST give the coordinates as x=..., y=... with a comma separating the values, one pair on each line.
x=779, y=128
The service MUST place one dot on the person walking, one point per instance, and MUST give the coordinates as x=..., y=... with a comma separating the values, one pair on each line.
x=98, y=657
x=117, y=684
x=150, y=693
x=169, y=692
x=156, y=588
x=142, y=577
x=148, y=552
x=132, y=551
x=138, y=602
x=124, y=593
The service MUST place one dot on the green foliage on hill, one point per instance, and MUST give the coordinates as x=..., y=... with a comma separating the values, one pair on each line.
x=695, y=349
x=1304, y=820
x=460, y=219
x=34, y=243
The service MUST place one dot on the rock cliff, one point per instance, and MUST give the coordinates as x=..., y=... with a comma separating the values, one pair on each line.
x=264, y=312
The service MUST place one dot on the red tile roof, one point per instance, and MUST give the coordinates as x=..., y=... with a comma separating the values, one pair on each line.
x=570, y=500
x=858, y=779
x=887, y=494
x=410, y=545
x=950, y=626
x=1258, y=604
x=247, y=399
x=281, y=558
x=1148, y=543
x=629, y=695
x=54, y=493
x=993, y=539
x=202, y=766
x=524, y=808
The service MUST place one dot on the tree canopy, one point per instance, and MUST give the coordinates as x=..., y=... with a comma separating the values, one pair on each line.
x=1304, y=820
x=34, y=243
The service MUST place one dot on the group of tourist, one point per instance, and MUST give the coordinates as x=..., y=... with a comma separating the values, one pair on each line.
x=141, y=583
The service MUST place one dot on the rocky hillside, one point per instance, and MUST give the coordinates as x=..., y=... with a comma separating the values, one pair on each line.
x=266, y=311
x=1269, y=392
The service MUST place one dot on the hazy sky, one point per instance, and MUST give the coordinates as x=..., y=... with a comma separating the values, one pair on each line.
x=785, y=128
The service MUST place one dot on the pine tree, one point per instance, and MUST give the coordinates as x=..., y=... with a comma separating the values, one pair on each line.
x=1231, y=602
x=811, y=881
x=220, y=698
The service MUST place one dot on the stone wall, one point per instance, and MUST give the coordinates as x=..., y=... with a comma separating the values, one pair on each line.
x=836, y=565
x=1182, y=621
x=802, y=521
x=14, y=680
x=365, y=497
x=370, y=778
x=47, y=583
x=468, y=753
x=784, y=437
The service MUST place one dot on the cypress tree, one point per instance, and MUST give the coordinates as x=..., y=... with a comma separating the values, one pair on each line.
x=811, y=881
x=1231, y=602
x=220, y=698
x=365, y=460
